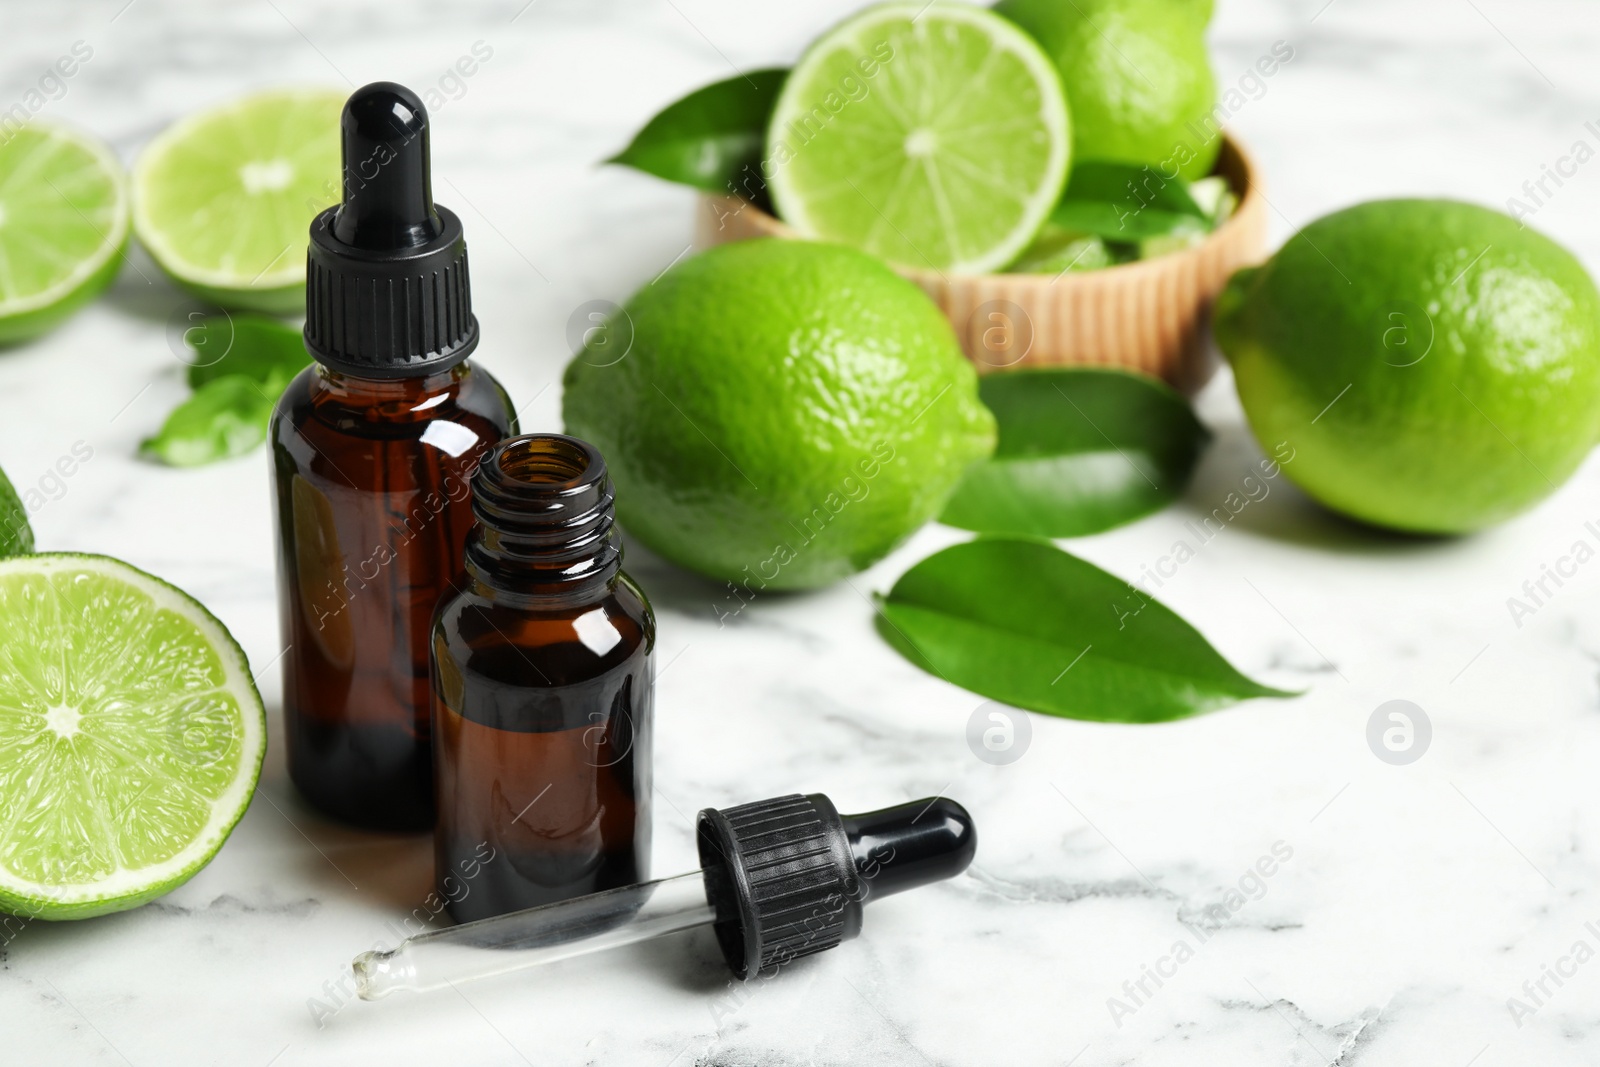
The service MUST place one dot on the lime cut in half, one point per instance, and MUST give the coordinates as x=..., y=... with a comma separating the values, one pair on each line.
x=133, y=736
x=224, y=199
x=63, y=226
x=933, y=136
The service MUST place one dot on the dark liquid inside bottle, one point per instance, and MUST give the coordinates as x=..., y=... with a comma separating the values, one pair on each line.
x=373, y=479
x=543, y=692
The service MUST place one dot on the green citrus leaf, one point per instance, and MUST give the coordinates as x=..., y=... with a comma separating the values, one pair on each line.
x=711, y=138
x=1116, y=222
x=260, y=348
x=1131, y=186
x=1027, y=624
x=224, y=418
x=1080, y=451
x=1121, y=202
x=16, y=534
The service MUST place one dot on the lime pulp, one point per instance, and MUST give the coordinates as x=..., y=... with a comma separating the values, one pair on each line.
x=133, y=735
x=63, y=225
x=224, y=199
x=933, y=136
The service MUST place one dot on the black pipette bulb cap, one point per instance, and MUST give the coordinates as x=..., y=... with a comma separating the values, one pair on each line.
x=387, y=294
x=788, y=877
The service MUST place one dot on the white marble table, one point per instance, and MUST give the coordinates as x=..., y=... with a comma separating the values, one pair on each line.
x=1415, y=900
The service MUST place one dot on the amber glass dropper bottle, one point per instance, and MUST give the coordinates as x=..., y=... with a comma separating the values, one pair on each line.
x=373, y=450
x=543, y=691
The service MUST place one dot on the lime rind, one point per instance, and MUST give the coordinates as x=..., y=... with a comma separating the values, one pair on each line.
x=132, y=729
x=196, y=243
x=956, y=185
x=108, y=221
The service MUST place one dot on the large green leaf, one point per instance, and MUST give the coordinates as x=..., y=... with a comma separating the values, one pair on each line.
x=1080, y=450
x=711, y=139
x=1027, y=624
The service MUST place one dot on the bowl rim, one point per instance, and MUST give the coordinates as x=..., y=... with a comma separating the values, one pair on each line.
x=1251, y=202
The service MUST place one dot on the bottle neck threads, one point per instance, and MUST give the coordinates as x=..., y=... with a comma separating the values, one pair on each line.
x=546, y=520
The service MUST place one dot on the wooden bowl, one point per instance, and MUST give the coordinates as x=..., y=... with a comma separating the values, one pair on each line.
x=1148, y=316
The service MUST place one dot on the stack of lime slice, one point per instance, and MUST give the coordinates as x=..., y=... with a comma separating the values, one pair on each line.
x=132, y=736
x=224, y=199
x=63, y=225
x=934, y=136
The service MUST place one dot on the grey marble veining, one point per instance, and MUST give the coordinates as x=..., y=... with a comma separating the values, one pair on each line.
x=1406, y=906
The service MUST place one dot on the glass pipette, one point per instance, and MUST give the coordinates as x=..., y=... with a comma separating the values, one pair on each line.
x=781, y=879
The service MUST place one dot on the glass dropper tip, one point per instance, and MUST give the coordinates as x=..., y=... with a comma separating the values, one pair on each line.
x=523, y=939
x=380, y=973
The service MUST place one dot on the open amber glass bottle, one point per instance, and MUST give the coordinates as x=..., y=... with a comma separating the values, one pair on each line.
x=543, y=691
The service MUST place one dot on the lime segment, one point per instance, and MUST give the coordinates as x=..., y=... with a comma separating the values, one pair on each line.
x=63, y=224
x=133, y=736
x=935, y=137
x=224, y=199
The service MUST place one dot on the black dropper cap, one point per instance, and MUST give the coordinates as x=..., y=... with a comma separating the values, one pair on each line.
x=788, y=877
x=386, y=274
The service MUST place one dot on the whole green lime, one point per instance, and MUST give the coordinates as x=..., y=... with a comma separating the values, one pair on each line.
x=778, y=413
x=1429, y=365
x=1138, y=81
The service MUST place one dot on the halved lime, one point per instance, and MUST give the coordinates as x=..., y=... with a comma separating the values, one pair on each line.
x=63, y=226
x=132, y=736
x=224, y=199
x=933, y=136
